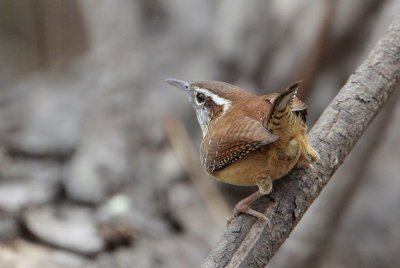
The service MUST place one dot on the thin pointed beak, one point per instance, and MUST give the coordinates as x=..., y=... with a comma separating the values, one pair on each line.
x=179, y=84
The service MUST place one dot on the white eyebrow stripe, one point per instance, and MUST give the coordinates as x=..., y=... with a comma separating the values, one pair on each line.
x=226, y=104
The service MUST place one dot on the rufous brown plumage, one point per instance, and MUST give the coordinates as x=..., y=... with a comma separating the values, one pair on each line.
x=248, y=139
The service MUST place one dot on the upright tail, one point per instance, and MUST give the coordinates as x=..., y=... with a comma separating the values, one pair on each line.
x=280, y=114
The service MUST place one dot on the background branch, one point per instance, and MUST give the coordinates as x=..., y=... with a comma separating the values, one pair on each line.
x=318, y=51
x=248, y=243
x=208, y=190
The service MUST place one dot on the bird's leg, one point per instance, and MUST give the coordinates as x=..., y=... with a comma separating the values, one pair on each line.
x=264, y=187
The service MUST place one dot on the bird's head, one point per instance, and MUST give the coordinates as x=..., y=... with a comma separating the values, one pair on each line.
x=210, y=100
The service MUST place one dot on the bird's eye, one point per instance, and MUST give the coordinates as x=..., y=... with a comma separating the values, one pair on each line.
x=201, y=98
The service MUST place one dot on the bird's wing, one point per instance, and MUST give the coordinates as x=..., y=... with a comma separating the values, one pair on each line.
x=227, y=145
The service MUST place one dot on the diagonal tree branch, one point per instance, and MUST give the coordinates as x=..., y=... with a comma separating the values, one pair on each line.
x=320, y=228
x=249, y=243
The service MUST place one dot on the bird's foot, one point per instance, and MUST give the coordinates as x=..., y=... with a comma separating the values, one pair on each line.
x=247, y=210
x=311, y=155
x=310, y=166
x=305, y=165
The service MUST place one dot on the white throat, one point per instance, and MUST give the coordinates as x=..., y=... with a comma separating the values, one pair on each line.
x=204, y=118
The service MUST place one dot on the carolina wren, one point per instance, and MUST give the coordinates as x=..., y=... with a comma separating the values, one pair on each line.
x=248, y=139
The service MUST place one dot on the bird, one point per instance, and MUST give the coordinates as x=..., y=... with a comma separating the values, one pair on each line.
x=249, y=140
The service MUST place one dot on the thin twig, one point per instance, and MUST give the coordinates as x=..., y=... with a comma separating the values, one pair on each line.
x=209, y=192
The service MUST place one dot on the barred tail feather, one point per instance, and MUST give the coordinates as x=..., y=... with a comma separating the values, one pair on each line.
x=281, y=109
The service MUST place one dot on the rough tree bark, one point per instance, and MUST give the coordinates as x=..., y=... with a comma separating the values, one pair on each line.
x=249, y=243
x=319, y=229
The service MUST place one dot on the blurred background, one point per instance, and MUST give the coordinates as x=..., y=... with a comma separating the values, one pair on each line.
x=96, y=165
